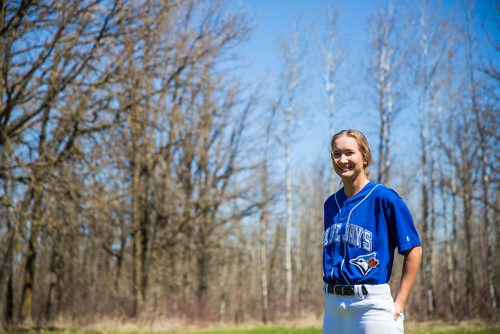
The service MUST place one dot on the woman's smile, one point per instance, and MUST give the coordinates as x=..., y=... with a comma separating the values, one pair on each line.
x=347, y=157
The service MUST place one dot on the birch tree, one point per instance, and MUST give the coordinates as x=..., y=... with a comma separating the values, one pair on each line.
x=430, y=58
x=312, y=194
x=389, y=55
x=293, y=53
x=485, y=124
x=269, y=193
x=333, y=56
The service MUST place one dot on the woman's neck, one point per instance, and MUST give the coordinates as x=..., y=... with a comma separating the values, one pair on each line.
x=352, y=188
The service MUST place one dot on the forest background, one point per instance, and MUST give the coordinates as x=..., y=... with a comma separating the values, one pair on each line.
x=157, y=163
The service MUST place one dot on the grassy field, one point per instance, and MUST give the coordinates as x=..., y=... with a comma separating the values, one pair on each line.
x=409, y=329
x=415, y=329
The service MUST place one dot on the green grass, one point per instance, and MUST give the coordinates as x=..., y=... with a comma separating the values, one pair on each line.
x=225, y=331
x=265, y=331
x=409, y=329
x=449, y=329
x=436, y=329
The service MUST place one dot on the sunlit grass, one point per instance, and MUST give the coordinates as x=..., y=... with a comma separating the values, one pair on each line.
x=264, y=331
x=414, y=328
x=410, y=329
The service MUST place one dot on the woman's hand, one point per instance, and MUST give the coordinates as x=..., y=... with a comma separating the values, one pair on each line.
x=411, y=264
x=398, y=309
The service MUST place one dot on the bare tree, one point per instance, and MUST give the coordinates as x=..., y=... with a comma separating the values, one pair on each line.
x=312, y=193
x=293, y=53
x=181, y=139
x=485, y=124
x=122, y=72
x=385, y=70
x=136, y=178
x=333, y=55
x=267, y=198
x=431, y=55
x=447, y=186
x=33, y=102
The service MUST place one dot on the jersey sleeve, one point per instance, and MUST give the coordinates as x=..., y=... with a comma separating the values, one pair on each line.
x=402, y=226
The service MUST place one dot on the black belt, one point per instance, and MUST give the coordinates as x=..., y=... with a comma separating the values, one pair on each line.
x=344, y=290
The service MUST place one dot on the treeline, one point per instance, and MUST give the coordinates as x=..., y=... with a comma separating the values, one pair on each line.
x=140, y=178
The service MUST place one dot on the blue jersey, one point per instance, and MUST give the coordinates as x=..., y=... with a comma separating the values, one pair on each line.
x=361, y=234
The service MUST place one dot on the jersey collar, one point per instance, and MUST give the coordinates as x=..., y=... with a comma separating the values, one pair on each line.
x=341, y=196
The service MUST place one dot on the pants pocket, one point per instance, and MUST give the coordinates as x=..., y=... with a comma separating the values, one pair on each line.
x=399, y=324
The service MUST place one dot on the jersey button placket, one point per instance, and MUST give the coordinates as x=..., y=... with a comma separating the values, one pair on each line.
x=342, y=221
x=344, y=213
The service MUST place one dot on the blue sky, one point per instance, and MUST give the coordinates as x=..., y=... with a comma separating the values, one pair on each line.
x=274, y=20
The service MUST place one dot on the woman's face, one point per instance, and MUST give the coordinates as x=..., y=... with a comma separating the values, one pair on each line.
x=348, y=159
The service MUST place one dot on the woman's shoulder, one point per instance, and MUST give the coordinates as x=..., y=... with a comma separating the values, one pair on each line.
x=386, y=193
x=335, y=197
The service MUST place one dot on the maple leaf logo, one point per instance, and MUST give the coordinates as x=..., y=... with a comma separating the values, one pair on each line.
x=373, y=262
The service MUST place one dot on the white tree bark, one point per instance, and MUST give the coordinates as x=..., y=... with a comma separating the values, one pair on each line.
x=333, y=55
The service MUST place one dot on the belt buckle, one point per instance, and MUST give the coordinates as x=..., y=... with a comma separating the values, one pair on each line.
x=340, y=290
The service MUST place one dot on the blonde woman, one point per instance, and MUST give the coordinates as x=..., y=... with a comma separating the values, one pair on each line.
x=364, y=222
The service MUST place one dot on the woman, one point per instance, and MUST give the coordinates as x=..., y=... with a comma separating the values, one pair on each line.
x=363, y=224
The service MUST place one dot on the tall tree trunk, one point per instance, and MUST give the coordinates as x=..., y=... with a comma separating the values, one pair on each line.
x=145, y=239
x=294, y=54
x=223, y=299
x=427, y=231
x=452, y=260
x=387, y=139
x=136, y=219
x=447, y=192
x=451, y=246
x=276, y=274
x=288, y=227
x=382, y=106
x=490, y=254
x=202, y=263
x=484, y=152
x=264, y=222
x=432, y=209
x=12, y=228
x=299, y=277
x=468, y=221
x=466, y=193
x=383, y=67
x=9, y=302
x=52, y=287
x=332, y=54
x=29, y=274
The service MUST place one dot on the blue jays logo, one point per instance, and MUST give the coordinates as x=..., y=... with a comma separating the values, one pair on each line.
x=365, y=263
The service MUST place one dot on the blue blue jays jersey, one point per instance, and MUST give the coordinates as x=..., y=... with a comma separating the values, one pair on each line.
x=362, y=232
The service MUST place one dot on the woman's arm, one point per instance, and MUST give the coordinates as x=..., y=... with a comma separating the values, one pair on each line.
x=410, y=268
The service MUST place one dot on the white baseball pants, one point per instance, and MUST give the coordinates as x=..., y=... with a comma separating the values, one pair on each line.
x=360, y=314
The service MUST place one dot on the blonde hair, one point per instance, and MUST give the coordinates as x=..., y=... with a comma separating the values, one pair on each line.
x=363, y=146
